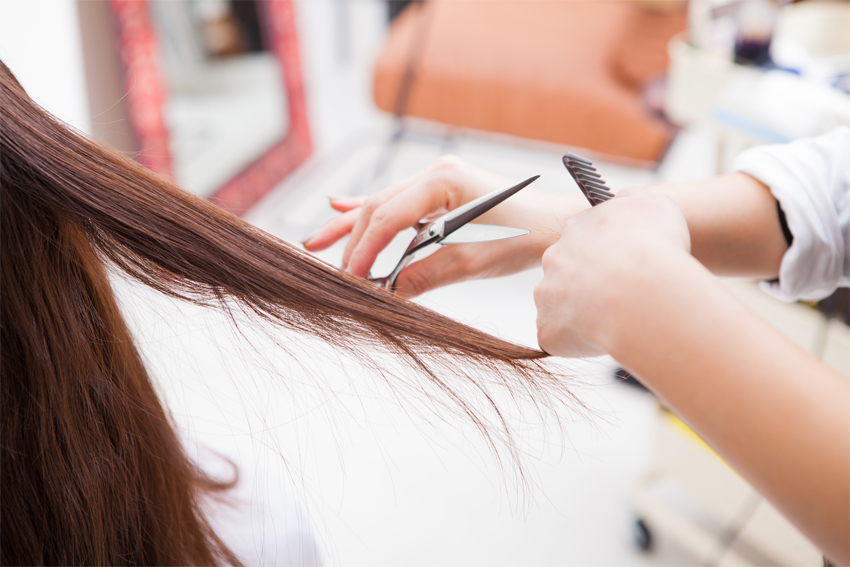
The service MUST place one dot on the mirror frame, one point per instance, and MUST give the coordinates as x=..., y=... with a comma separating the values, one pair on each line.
x=146, y=90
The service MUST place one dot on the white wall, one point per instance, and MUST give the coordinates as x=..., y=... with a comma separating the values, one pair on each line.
x=40, y=43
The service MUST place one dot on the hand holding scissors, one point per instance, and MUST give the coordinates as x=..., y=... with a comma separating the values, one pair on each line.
x=453, y=228
x=372, y=222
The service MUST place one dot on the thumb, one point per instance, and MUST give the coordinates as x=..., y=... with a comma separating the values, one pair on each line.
x=633, y=190
x=443, y=267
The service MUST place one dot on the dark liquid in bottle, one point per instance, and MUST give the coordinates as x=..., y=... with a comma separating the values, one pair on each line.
x=752, y=52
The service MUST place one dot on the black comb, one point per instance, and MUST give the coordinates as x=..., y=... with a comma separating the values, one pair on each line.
x=587, y=179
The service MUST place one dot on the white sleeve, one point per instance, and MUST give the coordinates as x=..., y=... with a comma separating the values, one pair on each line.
x=811, y=180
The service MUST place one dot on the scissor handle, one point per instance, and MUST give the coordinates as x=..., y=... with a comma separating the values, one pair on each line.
x=422, y=239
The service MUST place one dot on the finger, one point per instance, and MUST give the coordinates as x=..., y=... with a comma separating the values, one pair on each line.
x=345, y=204
x=369, y=206
x=389, y=219
x=331, y=232
x=443, y=267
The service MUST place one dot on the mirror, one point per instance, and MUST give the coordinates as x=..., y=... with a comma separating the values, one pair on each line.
x=215, y=93
x=225, y=102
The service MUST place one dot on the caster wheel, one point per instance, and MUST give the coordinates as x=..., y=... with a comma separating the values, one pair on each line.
x=641, y=534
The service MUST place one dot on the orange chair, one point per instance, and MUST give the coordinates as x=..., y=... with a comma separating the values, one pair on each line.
x=569, y=72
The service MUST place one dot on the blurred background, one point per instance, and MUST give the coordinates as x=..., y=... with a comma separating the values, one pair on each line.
x=268, y=107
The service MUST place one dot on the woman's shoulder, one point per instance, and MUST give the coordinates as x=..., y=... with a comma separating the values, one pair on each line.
x=261, y=518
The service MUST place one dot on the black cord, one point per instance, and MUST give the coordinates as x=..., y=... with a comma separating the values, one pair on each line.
x=414, y=57
x=405, y=89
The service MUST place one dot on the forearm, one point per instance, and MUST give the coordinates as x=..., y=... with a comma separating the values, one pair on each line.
x=774, y=412
x=734, y=224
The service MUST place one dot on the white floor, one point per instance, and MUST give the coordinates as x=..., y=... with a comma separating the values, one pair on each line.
x=394, y=485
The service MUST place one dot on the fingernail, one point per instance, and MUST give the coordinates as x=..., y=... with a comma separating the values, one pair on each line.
x=337, y=197
x=309, y=237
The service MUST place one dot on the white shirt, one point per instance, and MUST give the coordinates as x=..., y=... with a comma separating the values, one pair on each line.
x=260, y=519
x=811, y=180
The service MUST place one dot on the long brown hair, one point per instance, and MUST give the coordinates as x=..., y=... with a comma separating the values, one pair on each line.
x=92, y=470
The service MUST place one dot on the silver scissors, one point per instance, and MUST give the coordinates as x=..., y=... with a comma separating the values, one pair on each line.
x=454, y=228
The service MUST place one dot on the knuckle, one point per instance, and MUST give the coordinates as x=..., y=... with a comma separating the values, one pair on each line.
x=448, y=163
x=543, y=338
x=547, y=259
x=370, y=205
x=381, y=217
x=538, y=294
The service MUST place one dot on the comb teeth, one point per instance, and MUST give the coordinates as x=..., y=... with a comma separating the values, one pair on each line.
x=588, y=180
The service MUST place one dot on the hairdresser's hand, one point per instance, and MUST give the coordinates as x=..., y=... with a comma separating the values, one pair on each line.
x=608, y=258
x=374, y=221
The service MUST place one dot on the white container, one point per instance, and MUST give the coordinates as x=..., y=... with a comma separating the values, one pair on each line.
x=695, y=81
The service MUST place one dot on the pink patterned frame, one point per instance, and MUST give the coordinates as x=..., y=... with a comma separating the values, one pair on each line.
x=146, y=93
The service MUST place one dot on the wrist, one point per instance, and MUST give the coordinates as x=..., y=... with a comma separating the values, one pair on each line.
x=549, y=220
x=571, y=204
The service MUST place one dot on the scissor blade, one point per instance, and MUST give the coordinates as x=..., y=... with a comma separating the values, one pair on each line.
x=482, y=233
x=473, y=209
